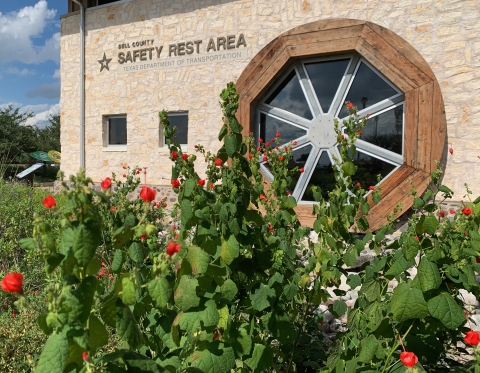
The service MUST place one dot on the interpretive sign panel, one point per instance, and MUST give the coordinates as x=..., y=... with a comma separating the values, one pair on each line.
x=29, y=170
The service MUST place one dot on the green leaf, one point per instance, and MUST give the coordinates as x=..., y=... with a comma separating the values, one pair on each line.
x=188, y=187
x=117, y=261
x=339, y=308
x=230, y=249
x=186, y=296
x=428, y=275
x=231, y=145
x=418, y=203
x=186, y=211
x=135, y=252
x=240, y=340
x=262, y=358
x=160, y=291
x=216, y=358
x=408, y=303
x=229, y=289
x=108, y=310
x=447, y=310
x=362, y=223
x=290, y=290
x=289, y=202
x=348, y=168
x=140, y=363
x=93, y=267
x=54, y=355
x=66, y=241
x=223, y=132
x=127, y=327
x=399, y=266
x=98, y=333
x=430, y=225
x=198, y=260
x=369, y=347
x=86, y=239
x=210, y=315
x=128, y=291
x=27, y=243
x=410, y=248
x=371, y=289
x=262, y=298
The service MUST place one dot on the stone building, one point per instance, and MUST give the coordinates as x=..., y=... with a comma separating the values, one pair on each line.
x=412, y=65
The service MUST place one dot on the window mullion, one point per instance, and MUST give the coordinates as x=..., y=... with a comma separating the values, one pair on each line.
x=345, y=83
x=379, y=152
x=305, y=176
x=284, y=115
x=309, y=92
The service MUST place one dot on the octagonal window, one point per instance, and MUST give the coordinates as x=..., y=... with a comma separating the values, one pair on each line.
x=302, y=105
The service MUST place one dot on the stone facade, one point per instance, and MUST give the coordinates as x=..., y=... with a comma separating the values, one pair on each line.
x=444, y=32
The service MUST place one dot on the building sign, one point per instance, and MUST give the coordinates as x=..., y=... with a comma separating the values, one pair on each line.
x=144, y=55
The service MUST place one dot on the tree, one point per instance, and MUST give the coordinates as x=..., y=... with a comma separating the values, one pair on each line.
x=16, y=137
x=49, y=137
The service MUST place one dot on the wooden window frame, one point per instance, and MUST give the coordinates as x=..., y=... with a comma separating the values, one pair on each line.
x=425, y=121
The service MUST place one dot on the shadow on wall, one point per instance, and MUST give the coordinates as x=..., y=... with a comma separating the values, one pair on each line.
x=117, y=14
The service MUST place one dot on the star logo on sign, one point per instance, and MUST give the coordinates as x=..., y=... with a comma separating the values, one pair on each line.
x=104, y=62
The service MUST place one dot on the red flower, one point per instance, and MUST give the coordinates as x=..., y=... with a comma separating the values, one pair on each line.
x=350, y=105
x=201, y=182
x=261, y=197
x=112, y=208
x=106, y=184
x=277, y=134
x=360, y=132
x=147, y=194
x=12, y=283
x=143, y=236
x=472, y=338
x=359, y=185
x=442, y=213
x=267, y=143
x=302, y=170
x=270, y=228
x=294, y=143
x=417, y=238
x=477, y=259
x=49, y=202
x=466, y=211
x=185, y=157
x=281, y=158
x=85, y=356
x=218, y=162
x=195, y=146
x=260, y=140
x=174, y=155
x=250, y=156
x=371, y=187
x=367, y=115
x=450, y=151
x=265, y=159
x=409, y=359
x=452, y=211
x=124, y=175
x=343, y=136
x=287, y=193
x=258, y=149
x=175, y=183
x=173, y=248
x=124, y=167
x=212, y=185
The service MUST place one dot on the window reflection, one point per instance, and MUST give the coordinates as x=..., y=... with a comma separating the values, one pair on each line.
x=269, y=126
x=368, y=169
x=326, y=77
x=367, y=89
x=385, y=130
x=322, y=177
x=289, y=96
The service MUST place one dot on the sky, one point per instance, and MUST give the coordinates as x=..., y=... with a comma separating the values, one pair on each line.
x=30, y=57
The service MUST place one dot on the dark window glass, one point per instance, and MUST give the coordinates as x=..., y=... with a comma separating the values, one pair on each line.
x=368, y=169
x=269, y=126
x=386, y=130
x=290, y=97
x=367, y=89
x=117, y=131
x=181, y=122
x=326, y=77
x=322, y=177
x=103, y=2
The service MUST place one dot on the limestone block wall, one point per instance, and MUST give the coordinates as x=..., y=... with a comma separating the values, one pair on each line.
x=444, y=32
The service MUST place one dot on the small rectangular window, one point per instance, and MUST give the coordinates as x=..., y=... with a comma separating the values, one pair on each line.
x=179, y=120
x=116, y=130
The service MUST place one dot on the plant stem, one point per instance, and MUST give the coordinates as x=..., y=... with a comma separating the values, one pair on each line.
x=300, y=330
x=397, y=343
